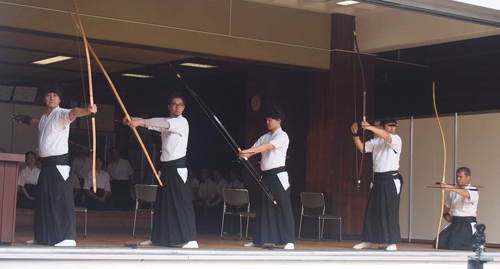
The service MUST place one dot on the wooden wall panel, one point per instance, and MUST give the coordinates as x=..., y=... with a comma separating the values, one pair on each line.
x=335, y=103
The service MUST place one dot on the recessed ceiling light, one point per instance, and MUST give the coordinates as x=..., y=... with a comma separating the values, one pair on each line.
x=206, y=66
x=52, y=60
x=136, y=75
x=491, y=4
x=347, y=3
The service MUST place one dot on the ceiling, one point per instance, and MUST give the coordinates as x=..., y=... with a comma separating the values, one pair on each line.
x=331, y=6
x=18, y=50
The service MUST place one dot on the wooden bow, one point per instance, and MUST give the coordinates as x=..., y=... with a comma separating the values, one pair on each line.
x=79, y=26
x=91, y=96
x=444, y=162
x=229, y=139
x=358, y=185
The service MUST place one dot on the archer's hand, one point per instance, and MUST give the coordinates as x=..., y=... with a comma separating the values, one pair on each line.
x=134, y=123
x=92, y=109
x=244, y=154
x=354, y=128
x=365, y=125
x=445, y=186
x=448, y=218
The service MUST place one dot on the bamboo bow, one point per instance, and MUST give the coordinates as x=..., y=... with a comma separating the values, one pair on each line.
x=358, y=185
x=91, y=96
x=79, y=26
x=444, y=162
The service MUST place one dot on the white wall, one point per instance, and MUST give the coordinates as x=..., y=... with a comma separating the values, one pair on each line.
x=476, y=149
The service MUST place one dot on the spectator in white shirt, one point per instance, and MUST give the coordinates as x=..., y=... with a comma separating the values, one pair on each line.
x=100, y=200
x=235, y=183
x=122, y=179
x=28, y=179
x=194, y=183
x=206, y=191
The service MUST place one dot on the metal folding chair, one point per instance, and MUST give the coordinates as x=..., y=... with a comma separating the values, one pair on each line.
x=145, y=193
x=313, y=200
x=236, y=197
x=82, y=209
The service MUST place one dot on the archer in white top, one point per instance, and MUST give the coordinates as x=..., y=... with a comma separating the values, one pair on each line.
x=174, y=134
x=386, y=148
x=461, y=201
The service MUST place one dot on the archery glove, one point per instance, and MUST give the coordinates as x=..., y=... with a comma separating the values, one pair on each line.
x=22, y=119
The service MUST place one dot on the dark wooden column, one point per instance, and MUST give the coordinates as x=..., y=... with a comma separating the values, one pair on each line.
x=334, y=103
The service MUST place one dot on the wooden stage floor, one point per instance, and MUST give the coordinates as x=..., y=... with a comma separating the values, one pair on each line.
x=113, y=238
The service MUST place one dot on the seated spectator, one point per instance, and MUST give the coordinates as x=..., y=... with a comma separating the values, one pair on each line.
x=38, y=163
x=122, y=179
x=27, y=182
x=81, y=165
x=206, y=191
x=195, y=185
x=78, y=196
x=100, y=200
x=220, y=184
x=235, y=182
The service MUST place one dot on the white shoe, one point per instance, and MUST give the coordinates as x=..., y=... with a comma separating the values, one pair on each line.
x=66, y=243
x=191, y=244
x=289, y=246
x=31, y=241
x=391, y=247
x=251, y=244
x=363, y=245
x=146, y=243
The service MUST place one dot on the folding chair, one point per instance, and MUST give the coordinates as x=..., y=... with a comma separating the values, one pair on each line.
x=145, y=193
x=316, y=200
x=82, y=209
x=236, y=197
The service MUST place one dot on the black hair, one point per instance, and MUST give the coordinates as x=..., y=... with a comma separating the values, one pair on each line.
x=27, y=154
x=52, y=88
x=276, y=113
x=466, y=171
x=386, y=120
x=113, y=148
x=176, y=95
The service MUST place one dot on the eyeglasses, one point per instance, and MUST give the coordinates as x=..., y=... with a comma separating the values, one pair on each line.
x=174, y=105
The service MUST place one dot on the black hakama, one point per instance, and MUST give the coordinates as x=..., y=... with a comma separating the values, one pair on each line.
x=174, y=220
x=458, y=235
x=271, y=225
x=54, y=206
x=120, y=190
x=96, y=205
x=23, y=201
x=381, y=222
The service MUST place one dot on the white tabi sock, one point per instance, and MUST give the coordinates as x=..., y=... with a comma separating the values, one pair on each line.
x=363, y=245
x=66, y=243
x=290, y=246
x=191, y=244
x=391, y=247
x=146, y=243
